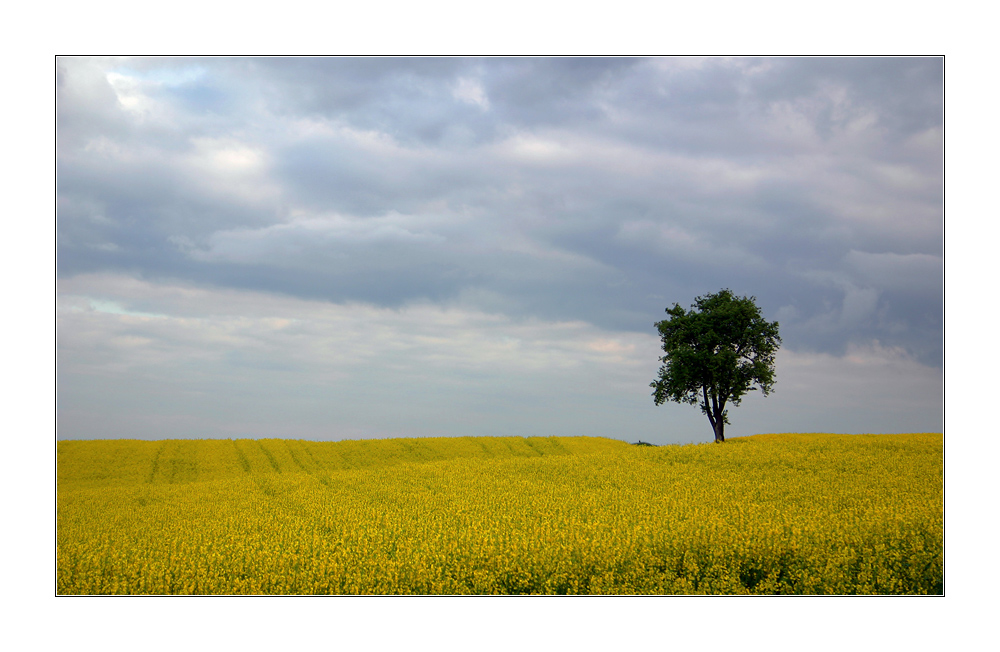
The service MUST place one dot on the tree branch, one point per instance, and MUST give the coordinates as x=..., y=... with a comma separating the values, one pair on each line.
x=708, y=410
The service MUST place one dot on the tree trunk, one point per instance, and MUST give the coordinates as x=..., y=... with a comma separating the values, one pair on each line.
x=716, y=414
x=719, y=424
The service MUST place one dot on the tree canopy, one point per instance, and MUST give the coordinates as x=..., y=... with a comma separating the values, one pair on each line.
x=714, y=354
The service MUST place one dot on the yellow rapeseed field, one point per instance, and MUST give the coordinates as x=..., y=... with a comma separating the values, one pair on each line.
x=770, y=514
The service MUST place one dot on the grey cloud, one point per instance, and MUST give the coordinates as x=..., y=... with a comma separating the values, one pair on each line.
x=593, y=189
x=411, y=99
x=910, y=273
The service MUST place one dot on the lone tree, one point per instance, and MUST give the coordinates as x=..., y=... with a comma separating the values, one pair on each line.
x=715, y=353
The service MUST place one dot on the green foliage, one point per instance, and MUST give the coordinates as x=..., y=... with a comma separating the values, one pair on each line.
x=715, y=354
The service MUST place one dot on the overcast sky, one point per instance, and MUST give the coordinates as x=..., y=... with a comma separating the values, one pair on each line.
x=353, y=248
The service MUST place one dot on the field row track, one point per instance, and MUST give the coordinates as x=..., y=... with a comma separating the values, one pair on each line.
x=109, y=462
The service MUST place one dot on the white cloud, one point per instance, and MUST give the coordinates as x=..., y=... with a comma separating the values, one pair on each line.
x=650, y=167
x=872, y=388
x=230, y=169
x=129, y=92
x=199, y=320
x=283, y=243
x=535, y=149
x=280, y=349
x=319, y=369
x=471, y=91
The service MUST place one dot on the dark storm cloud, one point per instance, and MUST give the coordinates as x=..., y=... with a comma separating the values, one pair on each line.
x=600, y=190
